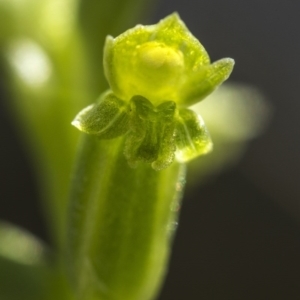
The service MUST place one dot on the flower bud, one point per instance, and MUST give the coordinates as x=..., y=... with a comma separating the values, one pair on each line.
x=162, y=62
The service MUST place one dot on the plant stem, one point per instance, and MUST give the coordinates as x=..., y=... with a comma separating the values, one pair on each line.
x=121, y=222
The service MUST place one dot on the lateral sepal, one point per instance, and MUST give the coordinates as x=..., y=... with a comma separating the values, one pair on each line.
x=108, y=118
x=192, y=136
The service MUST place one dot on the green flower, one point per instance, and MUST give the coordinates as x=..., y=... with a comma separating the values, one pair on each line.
x=155, y=72
x=162, y=62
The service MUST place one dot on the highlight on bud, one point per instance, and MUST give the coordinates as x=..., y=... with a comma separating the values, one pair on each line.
x=162, y=62
x=155, y=72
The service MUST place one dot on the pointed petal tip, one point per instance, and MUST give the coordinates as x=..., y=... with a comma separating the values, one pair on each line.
x=172, y=18
x=174, y=15
x=226, y=62
x=230, y=62
x=76, y=123
x=228, y=66
x=109, y=40
x=109, y=37
x=223, y=67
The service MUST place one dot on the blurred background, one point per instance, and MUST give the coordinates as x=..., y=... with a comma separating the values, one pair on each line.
x=239, y=234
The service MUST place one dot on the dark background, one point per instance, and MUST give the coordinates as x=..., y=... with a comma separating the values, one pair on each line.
x=239, y=235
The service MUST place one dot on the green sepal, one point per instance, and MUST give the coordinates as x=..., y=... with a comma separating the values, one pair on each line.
x=109, y=118
x=205, y=80
x=151, y=135
x=192, y=137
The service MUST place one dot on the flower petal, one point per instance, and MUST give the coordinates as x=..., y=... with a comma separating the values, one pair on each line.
x=205, y=80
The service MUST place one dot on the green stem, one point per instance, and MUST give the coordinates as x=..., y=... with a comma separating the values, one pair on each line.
x=121, y=223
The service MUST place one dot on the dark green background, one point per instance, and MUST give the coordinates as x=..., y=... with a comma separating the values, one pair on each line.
x=239, y=236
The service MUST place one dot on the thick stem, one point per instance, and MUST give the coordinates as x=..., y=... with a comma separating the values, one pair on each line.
x=121, y=223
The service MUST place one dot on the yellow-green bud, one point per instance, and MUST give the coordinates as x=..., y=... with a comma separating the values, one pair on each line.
x=162, y=62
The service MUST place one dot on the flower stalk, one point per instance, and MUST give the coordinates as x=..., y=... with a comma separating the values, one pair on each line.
x=122, y=223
